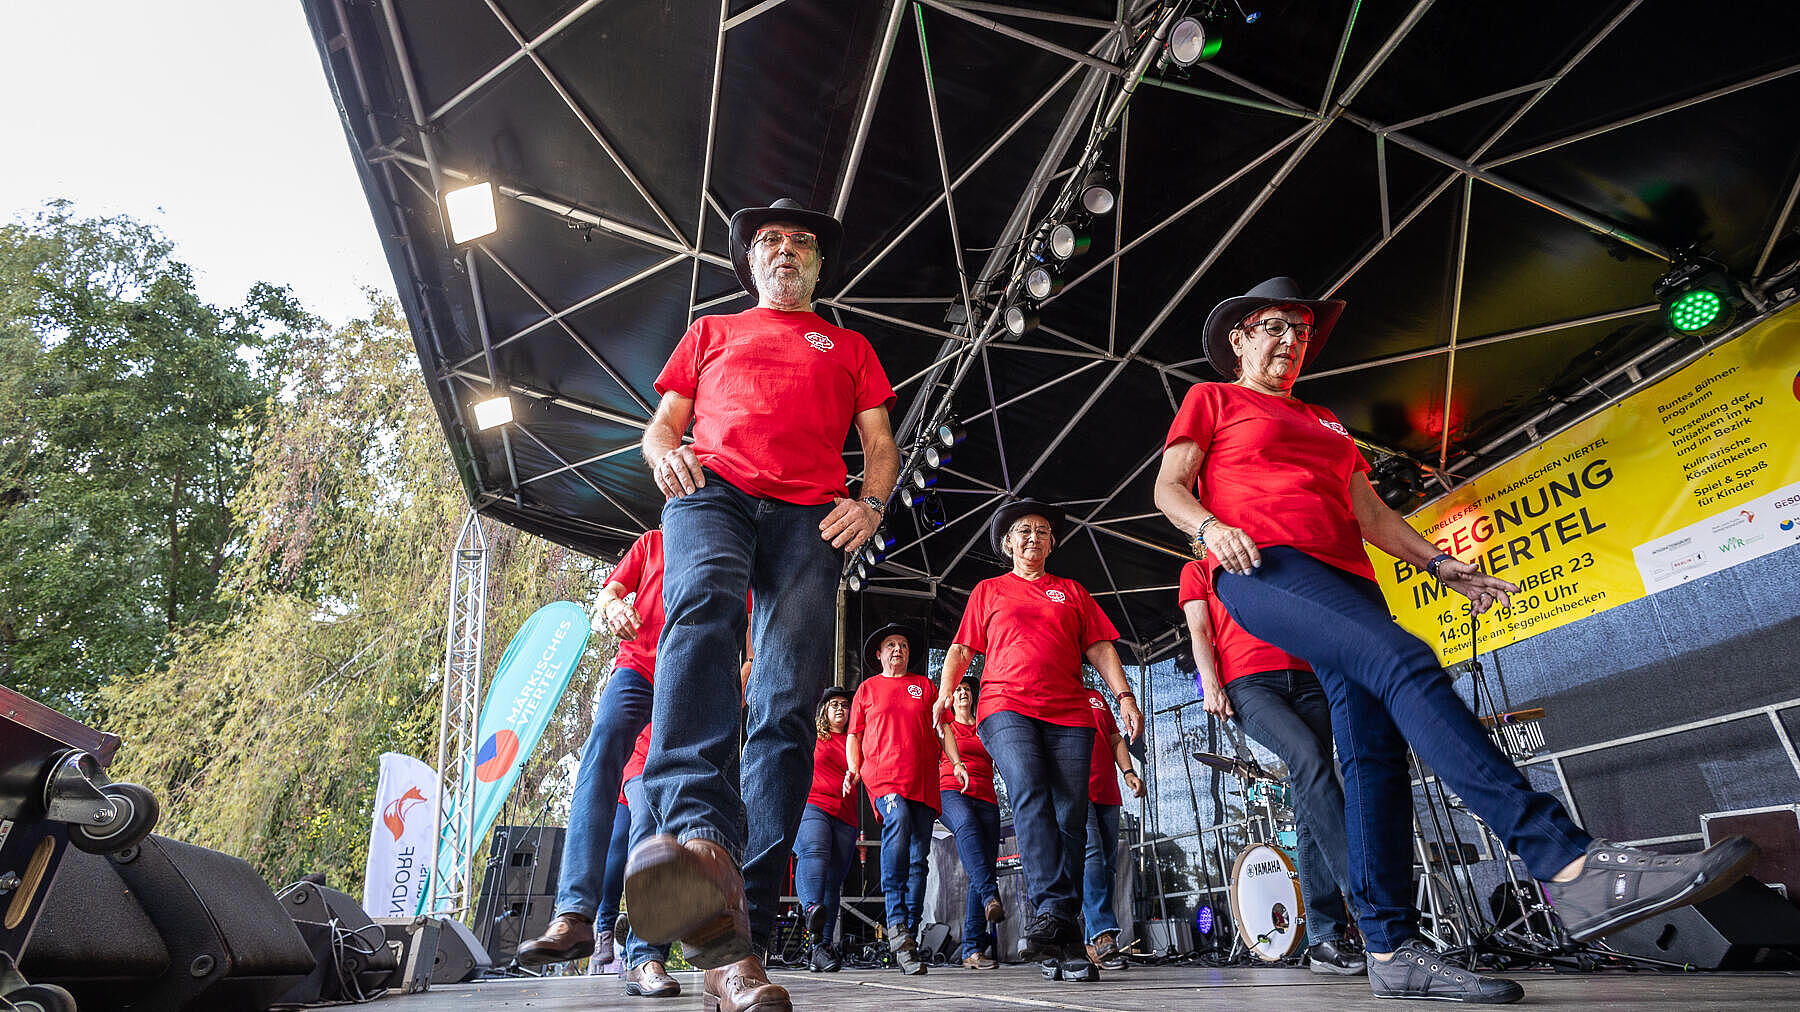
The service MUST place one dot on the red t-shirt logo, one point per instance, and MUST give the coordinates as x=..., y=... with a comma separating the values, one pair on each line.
x=1333, y=426
x=915, y=692
x=823, y=343
x=1056, y=595
x=1095, y=703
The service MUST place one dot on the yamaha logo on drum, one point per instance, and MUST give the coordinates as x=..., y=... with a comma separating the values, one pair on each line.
x=1263, y=868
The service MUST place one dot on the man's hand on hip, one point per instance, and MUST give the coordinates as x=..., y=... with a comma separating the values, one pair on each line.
x=678, y=472
x=849, y=523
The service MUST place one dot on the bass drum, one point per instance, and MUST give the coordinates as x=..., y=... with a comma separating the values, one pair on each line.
x=1266, y=904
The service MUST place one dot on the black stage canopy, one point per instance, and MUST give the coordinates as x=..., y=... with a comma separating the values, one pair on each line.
x=1494, y=187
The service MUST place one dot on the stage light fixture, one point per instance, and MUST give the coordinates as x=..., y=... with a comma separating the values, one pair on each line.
x=924, y=478
x=937, y=457
x=951, y=433
x=1041, y=282
x=914, y=497
x=1191, y=42
x=1098, y=193
x=1019, y=320
x=470, y=210
x=1070, y=239
x=871, y=554
x=1203, y=920
x=1399, y=481
x=856, y=581
x=1698, y=296
x=493, y=412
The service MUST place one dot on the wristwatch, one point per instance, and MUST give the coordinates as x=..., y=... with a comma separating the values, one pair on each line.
x=875, y=504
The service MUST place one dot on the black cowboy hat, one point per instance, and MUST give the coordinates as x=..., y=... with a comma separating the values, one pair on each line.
x=745, y=223
x=1005, y=516
x=833, y=692
x=915, y=646
x=1216, y=336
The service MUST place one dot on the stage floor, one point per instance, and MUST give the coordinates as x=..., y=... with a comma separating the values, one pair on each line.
x=1147, y=988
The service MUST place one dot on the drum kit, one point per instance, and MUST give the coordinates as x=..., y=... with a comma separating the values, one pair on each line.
x=1266, y=906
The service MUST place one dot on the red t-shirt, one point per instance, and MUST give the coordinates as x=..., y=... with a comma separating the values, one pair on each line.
x=774, y=396
x=1238, y=652
x=1276, y=468
x=1103, y=775
x=829, y=763
x=975, y=758
x=892, y=717
x=641, y=572
x=1034, y=633
x=634, y=767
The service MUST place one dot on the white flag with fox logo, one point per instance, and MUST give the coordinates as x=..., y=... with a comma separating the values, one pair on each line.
x=400, y=839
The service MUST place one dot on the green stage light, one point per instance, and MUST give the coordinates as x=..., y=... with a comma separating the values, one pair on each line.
x=1695, y=311
x=1697, y=295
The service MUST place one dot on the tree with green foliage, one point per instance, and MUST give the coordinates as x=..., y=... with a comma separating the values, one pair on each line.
x=128, y=408
x=262, y=731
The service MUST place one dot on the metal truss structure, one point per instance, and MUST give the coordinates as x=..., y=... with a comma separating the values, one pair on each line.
x=453, y=847
x=1479, y=213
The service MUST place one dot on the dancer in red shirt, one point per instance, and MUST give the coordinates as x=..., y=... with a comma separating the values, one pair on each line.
x=1035, y=630
x=1110, y=754
x=827, y=839
x=973, y=815
x=893, y=749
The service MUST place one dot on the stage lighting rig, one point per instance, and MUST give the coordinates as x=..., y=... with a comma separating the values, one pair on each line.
x=1070, y=239
x=469, y=213
x=1099, y=191
x=950, y=433
x=492, y=412
x=1399, y=480
x=1698, y=297
x=1192, y=40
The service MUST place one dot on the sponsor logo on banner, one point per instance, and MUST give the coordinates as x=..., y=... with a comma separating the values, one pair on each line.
x=819, y=341
x=1056, y=595
x=1787, y=525
x=495, y=756
x=396, y=879
x=1686, y=477
x=393, y=814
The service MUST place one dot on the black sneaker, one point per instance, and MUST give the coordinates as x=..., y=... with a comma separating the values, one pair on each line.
x=1078, y=970
x=824, y=959
x=1045, y=938
x=1334, y=955
x=1417, y=972
x=906, y=952
x=1619, y=886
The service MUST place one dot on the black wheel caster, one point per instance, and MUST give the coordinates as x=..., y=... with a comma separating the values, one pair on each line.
x=135, y=811
x=41, y=998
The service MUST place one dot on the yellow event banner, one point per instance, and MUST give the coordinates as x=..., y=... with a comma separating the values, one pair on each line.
x=1682, y=479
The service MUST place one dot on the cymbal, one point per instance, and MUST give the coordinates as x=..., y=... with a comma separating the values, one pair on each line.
x=1243, y=769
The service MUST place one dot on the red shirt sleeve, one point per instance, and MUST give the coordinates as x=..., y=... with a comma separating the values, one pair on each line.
x=630, y=570
x=859, y=709
x=681, y=373
x=972, y=631
x=1095, y=626
x=872, y=387
x=1194, y=420
x=1193, y=583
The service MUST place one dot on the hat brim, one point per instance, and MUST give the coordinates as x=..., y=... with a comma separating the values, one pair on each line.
x=915, y=645
x=1005, y=516
x=1225, y=316
x=745, y=223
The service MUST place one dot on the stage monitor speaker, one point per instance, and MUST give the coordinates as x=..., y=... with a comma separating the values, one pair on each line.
x=1747, y=925
x=415, y=944
x=351, y=954
x=518, y=895
x=1775, y=831
x=531, y=857
x=164, y=926
x=460, y=956
x=934, y=939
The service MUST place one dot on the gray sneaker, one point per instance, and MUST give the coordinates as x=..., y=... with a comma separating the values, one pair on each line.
x=1417, y=972
x=1619, y=886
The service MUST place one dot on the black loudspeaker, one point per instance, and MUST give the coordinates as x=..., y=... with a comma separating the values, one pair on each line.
x=351, y=956
x=1747, y=925
x=518, y=893
x=460, y=955
x=165, y=925
x=934, y=939
x=415, y=944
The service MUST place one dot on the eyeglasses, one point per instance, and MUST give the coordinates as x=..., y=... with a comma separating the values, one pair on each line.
x=1040, y=533
x=771, y=238
x=1275, y=326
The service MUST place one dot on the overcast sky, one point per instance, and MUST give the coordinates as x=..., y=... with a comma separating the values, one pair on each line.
x=210, y=119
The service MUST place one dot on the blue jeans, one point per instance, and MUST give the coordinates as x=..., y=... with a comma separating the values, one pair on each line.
x=1387, y=691
x=1287, y=711
x=621, y=712
x=905, y=857
x=1097, y=872
x=718, y=543
x=976, y=824
x=614, y=883
x=1045, y=767
x=823, y=850
x=637, y=951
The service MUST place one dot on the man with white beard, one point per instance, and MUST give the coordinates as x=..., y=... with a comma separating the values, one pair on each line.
x=758, y=502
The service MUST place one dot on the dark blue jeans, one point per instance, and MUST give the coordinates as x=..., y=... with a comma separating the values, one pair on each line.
x=905, y=857
x=637, y=951
x=619, y=715
x=1387, y=691
x=976, y=824
x=1045, y=767
x=718, y=543
x=1287, y=711
x=1098, y=869
x=614, y=884
x=823, y=850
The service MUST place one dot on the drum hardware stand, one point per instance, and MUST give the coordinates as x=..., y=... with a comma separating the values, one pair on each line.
x=1206, y=877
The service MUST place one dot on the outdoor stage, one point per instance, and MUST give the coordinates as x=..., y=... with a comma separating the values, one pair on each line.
x=1149, y=988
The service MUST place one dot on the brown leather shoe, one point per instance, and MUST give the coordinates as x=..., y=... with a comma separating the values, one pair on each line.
x=995, y=911
x=690, y=892
x=979, y=961
x=569, y=936
x=744, y=986
x=650, y=980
